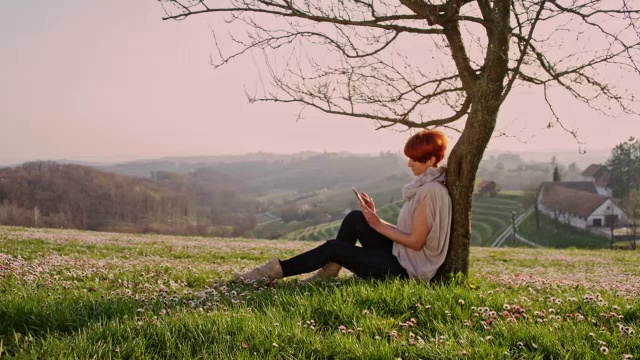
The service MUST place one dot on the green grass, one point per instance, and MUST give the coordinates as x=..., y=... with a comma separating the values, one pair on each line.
x=557, y=235
x=490, y=216
x=75, y=294
x=316, y=233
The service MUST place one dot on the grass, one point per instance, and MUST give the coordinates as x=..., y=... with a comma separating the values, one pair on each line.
x=490, y=216
x=75, y=294
x=557, y=235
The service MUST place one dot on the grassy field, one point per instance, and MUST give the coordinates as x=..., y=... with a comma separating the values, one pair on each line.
x=490, y=216
x=558, y=235
x=74, y=294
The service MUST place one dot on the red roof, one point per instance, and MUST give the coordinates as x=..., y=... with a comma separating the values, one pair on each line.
x=486, y=183
x=592, y=170
x=567, y=200
x=586, y=186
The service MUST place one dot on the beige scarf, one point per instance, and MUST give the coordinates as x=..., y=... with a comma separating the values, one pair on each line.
x=437, y=174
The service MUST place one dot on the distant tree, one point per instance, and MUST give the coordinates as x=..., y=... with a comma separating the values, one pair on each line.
x=631, y=206
x=514, y=160
x=624, y=165
x=612, y=223
x=428, y=63
x=556, y=174
x=73, y=196
x=572, y=173
x=573, y=167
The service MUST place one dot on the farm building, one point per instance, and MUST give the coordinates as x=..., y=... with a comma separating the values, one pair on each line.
x=488, y=188
x=579, y=205
x=584, y=204
x=600, y=176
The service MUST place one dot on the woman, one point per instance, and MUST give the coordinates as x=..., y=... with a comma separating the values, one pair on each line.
x=415, y=248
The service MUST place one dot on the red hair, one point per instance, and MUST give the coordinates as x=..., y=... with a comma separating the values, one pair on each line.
x=426, y=144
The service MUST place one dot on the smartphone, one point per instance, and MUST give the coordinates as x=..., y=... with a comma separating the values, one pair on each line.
x=357, y=194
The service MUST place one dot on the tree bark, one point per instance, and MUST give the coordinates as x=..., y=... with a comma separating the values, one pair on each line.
x=462, y=166
x=485, y=91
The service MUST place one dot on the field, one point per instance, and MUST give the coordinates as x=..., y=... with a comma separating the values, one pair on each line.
x=556, y=234
x=74, y=294
x=329, y=202
x=490, y=217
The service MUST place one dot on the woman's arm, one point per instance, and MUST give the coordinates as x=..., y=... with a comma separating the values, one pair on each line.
x=368, y=202
x=419, y=227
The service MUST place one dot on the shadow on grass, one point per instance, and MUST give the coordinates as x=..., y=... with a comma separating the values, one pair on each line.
x=330, y=303
x=41, y=316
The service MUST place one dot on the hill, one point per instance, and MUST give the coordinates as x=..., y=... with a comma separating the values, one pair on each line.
x=326, y=205
x=49, y=194
x=269, y=173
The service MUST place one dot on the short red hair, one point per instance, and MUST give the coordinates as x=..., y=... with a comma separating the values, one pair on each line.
x=426, y=144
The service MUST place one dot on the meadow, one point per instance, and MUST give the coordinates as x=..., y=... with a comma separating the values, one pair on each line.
x=79, y=294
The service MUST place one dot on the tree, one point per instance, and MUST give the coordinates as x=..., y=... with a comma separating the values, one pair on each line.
x=556, y=174
x=624, y=165
x=632, y=207
x=429, y=63
x=572, y=173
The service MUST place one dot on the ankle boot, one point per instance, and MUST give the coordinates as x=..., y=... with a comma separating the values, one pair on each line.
x=329, y=271
x=264, y=273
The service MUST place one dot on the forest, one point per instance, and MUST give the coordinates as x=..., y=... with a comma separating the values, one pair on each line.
x=49, y=194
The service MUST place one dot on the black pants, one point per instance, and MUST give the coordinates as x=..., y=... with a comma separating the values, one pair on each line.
x=373, y=260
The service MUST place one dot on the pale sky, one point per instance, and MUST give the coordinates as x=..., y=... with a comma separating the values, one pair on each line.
x=110, y=81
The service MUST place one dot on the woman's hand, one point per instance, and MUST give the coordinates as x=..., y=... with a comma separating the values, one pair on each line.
x=368, y=202
x=372, y=218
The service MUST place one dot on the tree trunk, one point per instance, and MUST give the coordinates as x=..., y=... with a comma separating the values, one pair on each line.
x=462, y=166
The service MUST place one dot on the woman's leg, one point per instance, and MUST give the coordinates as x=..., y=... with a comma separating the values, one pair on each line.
x=364, y=262
x=373, y=260
x=354, y=227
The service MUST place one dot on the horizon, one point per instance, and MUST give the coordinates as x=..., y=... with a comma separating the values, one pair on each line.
x=120, y=159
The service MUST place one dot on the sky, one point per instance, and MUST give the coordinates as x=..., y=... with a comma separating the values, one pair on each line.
x=111, y=81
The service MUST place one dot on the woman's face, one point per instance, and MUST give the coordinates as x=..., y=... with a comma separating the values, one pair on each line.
x=418, y=167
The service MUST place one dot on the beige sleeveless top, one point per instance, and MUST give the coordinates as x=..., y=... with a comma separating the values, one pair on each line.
x=424, y=263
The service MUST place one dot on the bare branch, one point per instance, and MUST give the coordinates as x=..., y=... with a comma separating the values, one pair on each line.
x=523, y=52
x=572, y=132
x=366, y=70
x=289, y=12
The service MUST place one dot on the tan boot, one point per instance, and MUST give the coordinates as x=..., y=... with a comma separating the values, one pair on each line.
x=329, y=271
x=263, y=274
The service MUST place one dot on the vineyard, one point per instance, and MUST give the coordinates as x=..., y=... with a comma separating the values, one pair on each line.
x=490, y=217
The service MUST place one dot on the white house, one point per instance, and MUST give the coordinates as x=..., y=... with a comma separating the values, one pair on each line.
x=579, y=204
x=600, y=176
